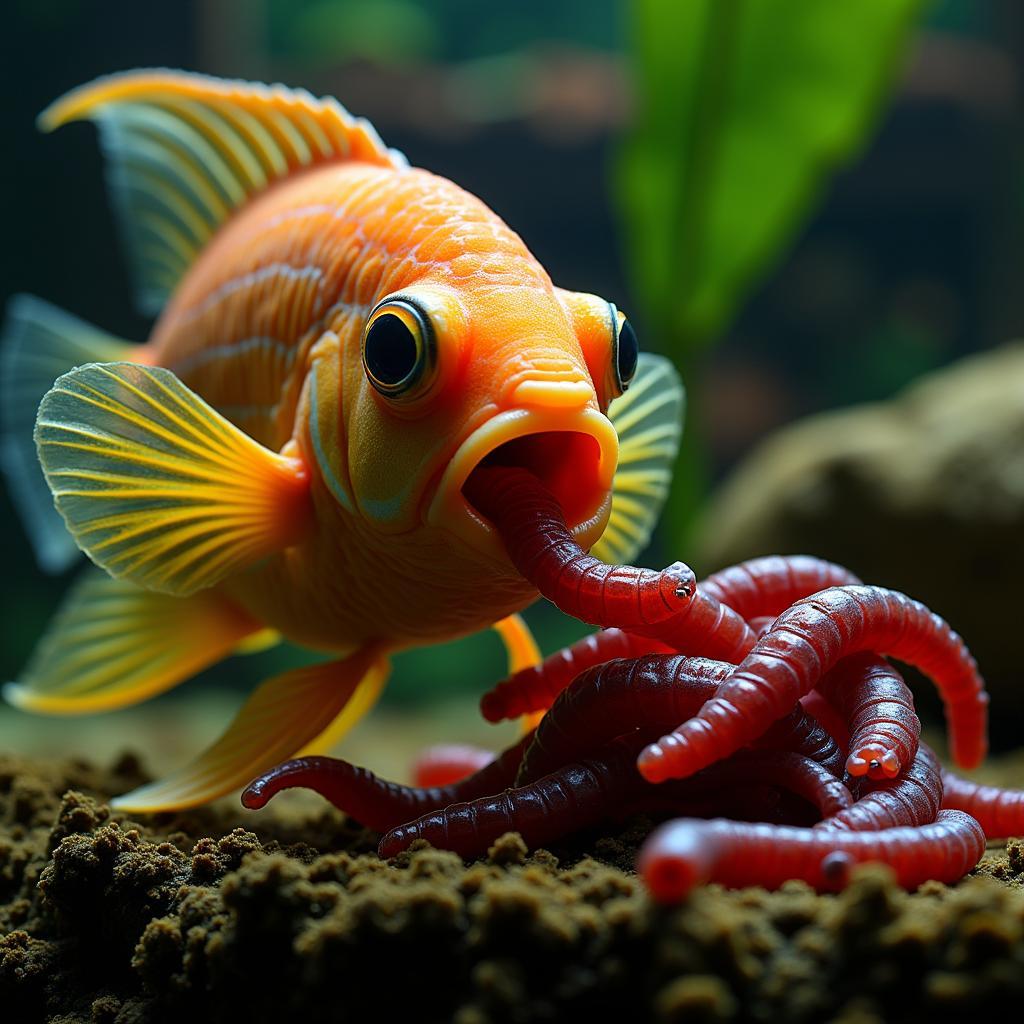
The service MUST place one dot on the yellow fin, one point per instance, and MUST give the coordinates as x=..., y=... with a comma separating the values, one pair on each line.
x=157, y=487
x=649, y=421
x=520, y=646
x=282, y=717
x=523, y=652
x=112, y=644
x=186, y=150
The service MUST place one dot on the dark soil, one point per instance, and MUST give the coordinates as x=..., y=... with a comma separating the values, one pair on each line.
x=208, y=916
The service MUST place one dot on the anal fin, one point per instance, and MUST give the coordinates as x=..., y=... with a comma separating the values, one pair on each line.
x=112, y=644
x=301, y=710
x=156, y=486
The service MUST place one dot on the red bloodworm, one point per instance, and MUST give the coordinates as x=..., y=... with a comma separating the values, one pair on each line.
x=768, y=586
x=650, y=692
x=831, y=721
x=877, y=704
x=615, y=698
x=705, y=628
x=802, y=733
x=806, y=641
x=1000, y=811
x=575, y=797
x=445, y=763
x=687, y=852
x=783, y=768
x=532, y=526
x=912, y=799
x=535, y=689
x=378, y=803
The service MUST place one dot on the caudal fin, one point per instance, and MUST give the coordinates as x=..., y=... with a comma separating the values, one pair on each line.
x=38, y=343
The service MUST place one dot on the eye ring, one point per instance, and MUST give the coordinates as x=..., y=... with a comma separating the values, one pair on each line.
x=399, y=349
x=625, y=349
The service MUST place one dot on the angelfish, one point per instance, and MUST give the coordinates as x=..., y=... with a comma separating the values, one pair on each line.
x=340, y=341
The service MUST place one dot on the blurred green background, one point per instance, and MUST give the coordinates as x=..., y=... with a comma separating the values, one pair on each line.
x=806, y=205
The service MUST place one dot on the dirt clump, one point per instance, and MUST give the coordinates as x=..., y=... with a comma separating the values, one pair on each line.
x=221, y=915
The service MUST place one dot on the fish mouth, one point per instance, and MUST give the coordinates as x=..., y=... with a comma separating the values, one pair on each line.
x=574, y=457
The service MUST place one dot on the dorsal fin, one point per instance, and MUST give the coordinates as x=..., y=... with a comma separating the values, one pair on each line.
x=186, y=150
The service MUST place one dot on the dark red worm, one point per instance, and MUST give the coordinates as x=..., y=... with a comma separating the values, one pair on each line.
x=614, y=698
x=575, y=797
x=878, y=707
x=689, y=852
x=801, y=732
x=783, y=768
x=378, y=803
x=535, y=689
x=649, y=692
x=705, y=628
x=1000, y=811
x=713, y=624
x=768, y=586
x=912, y=799
x=833, y=722
x=806, y=642
x=445, y=763
x=532, y=527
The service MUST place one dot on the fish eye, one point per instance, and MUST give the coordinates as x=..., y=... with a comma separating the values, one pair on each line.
x=625, y=350
x=399, y=350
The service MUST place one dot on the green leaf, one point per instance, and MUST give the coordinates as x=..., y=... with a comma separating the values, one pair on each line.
x=744, y=107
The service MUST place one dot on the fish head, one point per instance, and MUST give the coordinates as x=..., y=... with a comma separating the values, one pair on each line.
x=451, y=378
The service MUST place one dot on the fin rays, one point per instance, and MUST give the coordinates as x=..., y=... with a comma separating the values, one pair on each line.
x=296, y=711
x=112, y=644
x=156, y=486
x=186, y=150
x=648, y=419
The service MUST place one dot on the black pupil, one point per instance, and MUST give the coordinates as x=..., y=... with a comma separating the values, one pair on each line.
x=629, y=352
x=391, y=351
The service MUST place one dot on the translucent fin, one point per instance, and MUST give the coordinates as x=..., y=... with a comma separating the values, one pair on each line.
x=157, y=487
x=185, y=150
x=360, y=704
x=112, y=644
x=649, y=421
x=282, y=717
x=40, y=342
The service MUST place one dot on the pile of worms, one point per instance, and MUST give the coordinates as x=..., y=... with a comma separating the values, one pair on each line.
x=756, y=711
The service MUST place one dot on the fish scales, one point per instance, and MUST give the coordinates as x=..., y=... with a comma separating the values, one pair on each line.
x=342, y=342
x=302, y=257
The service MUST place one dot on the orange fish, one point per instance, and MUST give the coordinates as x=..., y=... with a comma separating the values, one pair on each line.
x=341, y=341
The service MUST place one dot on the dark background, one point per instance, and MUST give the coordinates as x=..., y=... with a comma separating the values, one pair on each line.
x=913, y=259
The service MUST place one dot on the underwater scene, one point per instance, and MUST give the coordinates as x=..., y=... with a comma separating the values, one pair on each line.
x=510, y=511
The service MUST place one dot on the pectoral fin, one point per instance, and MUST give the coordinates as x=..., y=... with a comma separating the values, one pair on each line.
x=284, y=716
x=112, y=644
x=156, y=486
x=649, y=421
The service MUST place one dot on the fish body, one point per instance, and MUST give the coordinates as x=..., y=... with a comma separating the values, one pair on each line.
x=279, y=299
x=342, y=340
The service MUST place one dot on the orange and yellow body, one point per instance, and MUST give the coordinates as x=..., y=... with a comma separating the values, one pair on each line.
x=342, y=341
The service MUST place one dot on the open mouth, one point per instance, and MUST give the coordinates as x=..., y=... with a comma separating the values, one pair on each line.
x=574, y=459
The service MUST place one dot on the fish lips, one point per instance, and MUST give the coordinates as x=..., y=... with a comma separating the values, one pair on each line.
x=574, y=455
